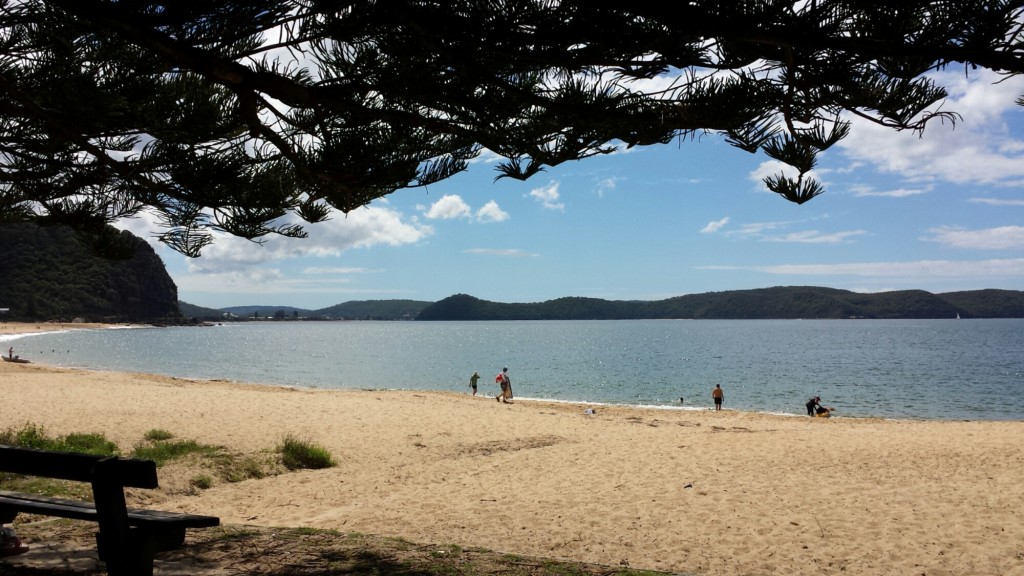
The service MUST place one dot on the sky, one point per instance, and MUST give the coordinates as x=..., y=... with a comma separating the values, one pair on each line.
x=941, y=212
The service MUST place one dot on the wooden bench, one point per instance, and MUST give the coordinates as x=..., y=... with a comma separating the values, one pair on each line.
x=127, y=538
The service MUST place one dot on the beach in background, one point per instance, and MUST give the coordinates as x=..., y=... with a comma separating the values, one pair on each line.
x=701, y=492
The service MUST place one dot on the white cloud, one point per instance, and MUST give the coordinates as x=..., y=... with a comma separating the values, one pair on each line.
x=491, y=212
x=452, y=206
x=862, y=191
x=270, y=282
x=776, y=232
x=758, y=228
x=715, y=226
x=145, y=225
x=981, y=149
x=449, y=207
x=1009, y=268
x=548, y=196
x=338, y=270
x=850, y=168
x=996, y=201
x=486, y=156
x=816, y=237
x=362, y=228
x=254, y=280
x=606, y=185
x=1000, y=238
x=774, y=167
x=512, y=252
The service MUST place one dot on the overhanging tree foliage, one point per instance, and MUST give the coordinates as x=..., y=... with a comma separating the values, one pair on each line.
x=254, y=117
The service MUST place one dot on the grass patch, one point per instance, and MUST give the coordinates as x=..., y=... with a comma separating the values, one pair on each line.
x=298, y=454
x=215, y=463
x=164, y=451
x=157, y=435
x=35, y=436
x=89, y=444
x=46, y=486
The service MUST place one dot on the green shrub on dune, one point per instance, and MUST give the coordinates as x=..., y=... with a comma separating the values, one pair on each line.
x=297, y=454
x=157, y=435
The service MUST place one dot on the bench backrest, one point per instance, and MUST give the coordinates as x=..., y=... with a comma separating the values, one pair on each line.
x=130, y=472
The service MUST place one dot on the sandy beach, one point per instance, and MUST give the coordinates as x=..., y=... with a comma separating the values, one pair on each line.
x=696, y=492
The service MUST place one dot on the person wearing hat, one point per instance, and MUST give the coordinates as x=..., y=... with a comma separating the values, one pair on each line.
x=505, y=381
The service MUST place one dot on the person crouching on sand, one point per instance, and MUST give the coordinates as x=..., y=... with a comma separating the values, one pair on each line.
x=812, y=404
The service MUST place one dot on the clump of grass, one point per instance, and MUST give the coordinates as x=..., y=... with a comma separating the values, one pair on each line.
x=164, y=451
x=201, y=481
x=157, y=435
x=298, y=454
x=29, y=436
x=89, y=444
x=35, y=436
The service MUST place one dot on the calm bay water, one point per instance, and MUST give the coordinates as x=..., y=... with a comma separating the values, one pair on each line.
x=935, y=369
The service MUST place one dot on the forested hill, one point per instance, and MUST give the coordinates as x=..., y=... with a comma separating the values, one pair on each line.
x=789, y=302
x=48, y=274
x=352, y=310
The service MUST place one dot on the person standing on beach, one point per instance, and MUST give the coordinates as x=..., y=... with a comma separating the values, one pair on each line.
x=472, y=381
x=718, y=396
x=505, y=381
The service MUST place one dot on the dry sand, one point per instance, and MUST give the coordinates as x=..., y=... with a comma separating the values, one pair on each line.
x=726, y=493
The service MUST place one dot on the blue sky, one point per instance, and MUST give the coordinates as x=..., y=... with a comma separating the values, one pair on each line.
x=942, y=212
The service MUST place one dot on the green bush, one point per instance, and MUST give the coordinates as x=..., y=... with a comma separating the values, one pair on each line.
x=299, y=454
x=29, y=436
x=202, y=482
x=35, y=436
x=89, y=444
x=157, y=435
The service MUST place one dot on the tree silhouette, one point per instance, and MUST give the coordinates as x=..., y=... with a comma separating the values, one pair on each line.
x=253, y=118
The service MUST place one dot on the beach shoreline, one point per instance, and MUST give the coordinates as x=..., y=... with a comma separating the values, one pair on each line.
x=898, y=400
x=692, y=491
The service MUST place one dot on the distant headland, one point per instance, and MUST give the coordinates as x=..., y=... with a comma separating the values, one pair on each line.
x=781, y=302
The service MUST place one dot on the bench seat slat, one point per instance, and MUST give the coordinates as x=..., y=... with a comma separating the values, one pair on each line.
x=64, y=508
x=48, y=506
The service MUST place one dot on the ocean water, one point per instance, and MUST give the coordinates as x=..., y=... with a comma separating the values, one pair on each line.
x=928, y=369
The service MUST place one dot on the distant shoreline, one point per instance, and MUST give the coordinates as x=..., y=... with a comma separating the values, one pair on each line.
x=859, y=382
x=28, y=328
